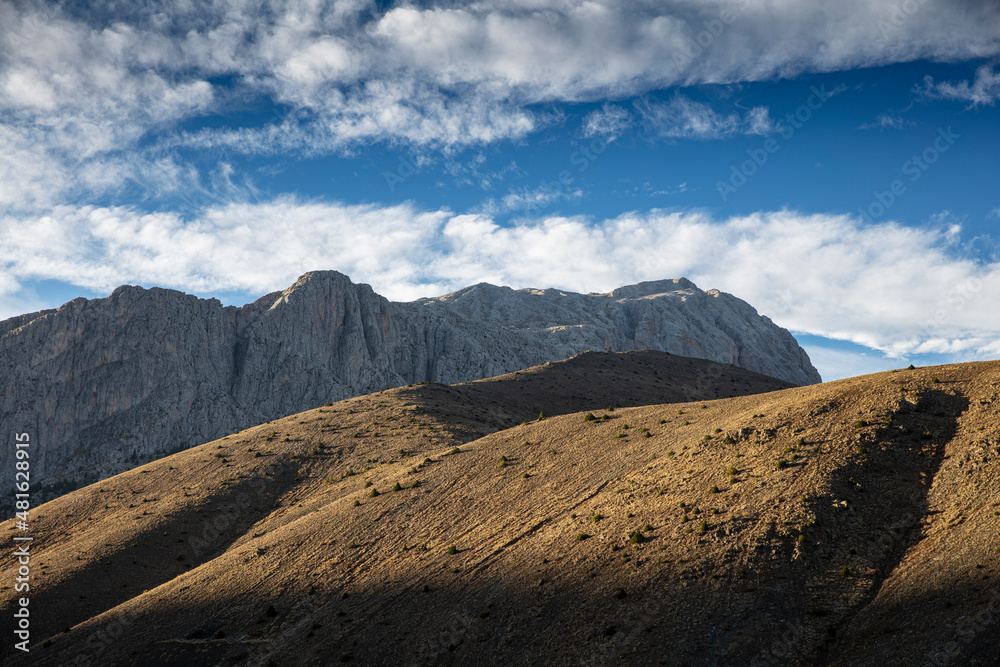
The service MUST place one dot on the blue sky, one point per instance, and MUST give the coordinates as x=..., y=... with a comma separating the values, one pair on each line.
x=835, y=165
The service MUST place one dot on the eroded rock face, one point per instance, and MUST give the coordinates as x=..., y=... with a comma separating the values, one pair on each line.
x=108, y=383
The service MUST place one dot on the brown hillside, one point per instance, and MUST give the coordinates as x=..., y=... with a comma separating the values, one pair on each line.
x=665, y=534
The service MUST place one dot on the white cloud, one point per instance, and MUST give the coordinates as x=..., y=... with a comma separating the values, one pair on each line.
x=985, y=89
x=886, y=121
x=75, y=83
x=683, y=118
x=609, y=122
x=887, y=287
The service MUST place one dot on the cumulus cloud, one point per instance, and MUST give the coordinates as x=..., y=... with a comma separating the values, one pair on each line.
x=896, y=289
x=985, y=88
x=100, y=77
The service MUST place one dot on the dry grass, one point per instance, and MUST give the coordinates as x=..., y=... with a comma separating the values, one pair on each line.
x=284, y=517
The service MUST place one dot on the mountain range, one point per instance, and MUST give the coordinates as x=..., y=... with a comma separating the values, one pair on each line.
x=112, y=383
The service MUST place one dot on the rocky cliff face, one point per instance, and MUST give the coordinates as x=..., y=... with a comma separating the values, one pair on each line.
x=107, y=383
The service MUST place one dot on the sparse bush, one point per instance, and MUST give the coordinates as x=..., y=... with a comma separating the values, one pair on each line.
x=636, y=538
x=397, y=487
x=374, y=493
x=714, y=489
x=541, y=415
x=782, y=463
x=357, y=503
x=731, y=470
x=452, y=550
x=589, y=417
x=581, y=537
x=702, y=527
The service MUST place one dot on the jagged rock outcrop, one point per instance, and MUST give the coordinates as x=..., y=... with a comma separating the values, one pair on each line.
x=106, y=383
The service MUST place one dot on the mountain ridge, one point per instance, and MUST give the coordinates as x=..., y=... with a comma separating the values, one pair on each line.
x=113, y=382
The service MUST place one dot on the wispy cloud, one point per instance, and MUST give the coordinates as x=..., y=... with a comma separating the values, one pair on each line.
x=886, y=121
x=683, y=118
x=609, y=122
x=896, y=289
x=985, y=88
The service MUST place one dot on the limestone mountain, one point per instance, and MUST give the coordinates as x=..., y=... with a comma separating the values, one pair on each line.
x=115, y=382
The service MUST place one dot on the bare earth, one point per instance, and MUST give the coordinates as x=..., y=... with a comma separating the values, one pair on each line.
x=427, y=525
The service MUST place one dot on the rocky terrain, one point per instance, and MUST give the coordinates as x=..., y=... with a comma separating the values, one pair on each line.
x=855, y=522
x=111, y=383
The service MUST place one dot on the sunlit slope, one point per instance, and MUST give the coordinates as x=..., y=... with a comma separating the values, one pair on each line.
x=833, y=524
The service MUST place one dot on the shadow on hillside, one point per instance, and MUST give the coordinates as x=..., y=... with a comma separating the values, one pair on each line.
x=506, y=624
x=885, y=489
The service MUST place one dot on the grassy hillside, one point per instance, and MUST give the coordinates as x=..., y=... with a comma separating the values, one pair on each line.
x=854, y=522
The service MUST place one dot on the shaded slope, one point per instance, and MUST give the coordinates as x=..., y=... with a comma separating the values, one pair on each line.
x=877, y=519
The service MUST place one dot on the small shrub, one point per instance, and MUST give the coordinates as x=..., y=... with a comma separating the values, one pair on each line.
x=373, y=494
x=636, y=538
x=935, y=380
x=368, y=483
x=541, y=415
x=357, y=503
x=621, y=594
x=801, y=442
x=596, y=518
x=581, y=537
x=714, y=489
x=589, y=417
x=731, y=470
x=647, y=528
x=397, y=487
x=846, y=572
x=782, y=463
x=452, y=550
x=702, y=527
